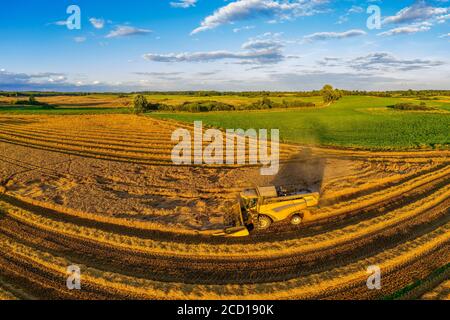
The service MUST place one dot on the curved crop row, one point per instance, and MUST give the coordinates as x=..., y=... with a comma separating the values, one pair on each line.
x=307, y=287
x=237, y=251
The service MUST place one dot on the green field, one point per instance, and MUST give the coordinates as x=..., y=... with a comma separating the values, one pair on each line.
x=354, y=121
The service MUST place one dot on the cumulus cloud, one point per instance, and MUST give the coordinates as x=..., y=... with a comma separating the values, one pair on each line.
x=353, y=10
x=208, y=73
x=330, y=62
x=405, y=30
x=334, y=35
x=379, y=61
x=53, y=81
x=443, y=18
x=356, y=9
x=387, y=62
x=11, y=79
x=183, y=4
x=97, y=23
x=125, y=31
x=419, y=11
x=260, y=56
x=264, y=48
x=250, y=9
x=262, y=44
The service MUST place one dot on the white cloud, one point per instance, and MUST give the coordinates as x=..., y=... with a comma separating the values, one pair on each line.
x=97, y=23
x=241, y=10
x=419, y=11
x=380, y=62
x=353, y=10
x=262, y=49
x=405, y=30
x=384, y=61
x=356, y=9
x=261, y=44
x=24, y=79
x=334, y=35
x=259, y=56
x=183, y=4
x=124, y=31
x=58, y=79
x=443, y=18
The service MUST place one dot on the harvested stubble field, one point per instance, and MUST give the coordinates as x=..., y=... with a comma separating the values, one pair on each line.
x=100, y=191
x=441, y=292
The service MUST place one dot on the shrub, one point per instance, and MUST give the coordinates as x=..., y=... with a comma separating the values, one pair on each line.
x=297, y=104
x=408, y=106
x=220, y=106
x=203, y=106
x=264, y=103
x=32, y=102
x=428, y=98
x=22, y=102
x=140, y=104
x=166, y=107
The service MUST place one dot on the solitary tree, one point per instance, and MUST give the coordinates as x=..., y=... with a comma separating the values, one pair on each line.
x=330, y=95
x=32, y=100
x=140, y=104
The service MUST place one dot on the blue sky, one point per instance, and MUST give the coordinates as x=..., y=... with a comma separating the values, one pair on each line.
x=224, y=45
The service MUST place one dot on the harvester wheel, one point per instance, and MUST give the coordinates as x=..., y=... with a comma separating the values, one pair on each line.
x=264, y=222
x=296, y=219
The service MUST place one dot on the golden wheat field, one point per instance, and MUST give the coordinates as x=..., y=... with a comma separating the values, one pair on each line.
x=101, y=192
x=72, y=101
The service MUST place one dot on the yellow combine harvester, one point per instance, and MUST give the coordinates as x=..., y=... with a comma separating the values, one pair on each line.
x=261, y=207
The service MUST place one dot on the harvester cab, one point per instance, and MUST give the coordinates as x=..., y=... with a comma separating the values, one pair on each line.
x=259, y=208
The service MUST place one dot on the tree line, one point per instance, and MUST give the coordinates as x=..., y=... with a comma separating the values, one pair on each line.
x=141, y=104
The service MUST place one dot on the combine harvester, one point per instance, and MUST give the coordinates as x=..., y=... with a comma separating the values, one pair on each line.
x=261, y=207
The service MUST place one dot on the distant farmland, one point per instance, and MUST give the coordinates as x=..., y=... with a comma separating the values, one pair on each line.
x=361, y=122
x=354, y=121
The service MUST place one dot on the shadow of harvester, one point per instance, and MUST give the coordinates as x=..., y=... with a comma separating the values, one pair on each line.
x=305, y=169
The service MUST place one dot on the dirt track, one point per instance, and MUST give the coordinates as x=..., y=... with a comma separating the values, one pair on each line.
x=99, y=192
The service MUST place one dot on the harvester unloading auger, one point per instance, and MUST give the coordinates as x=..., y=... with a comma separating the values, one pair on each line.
x=262, y=206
